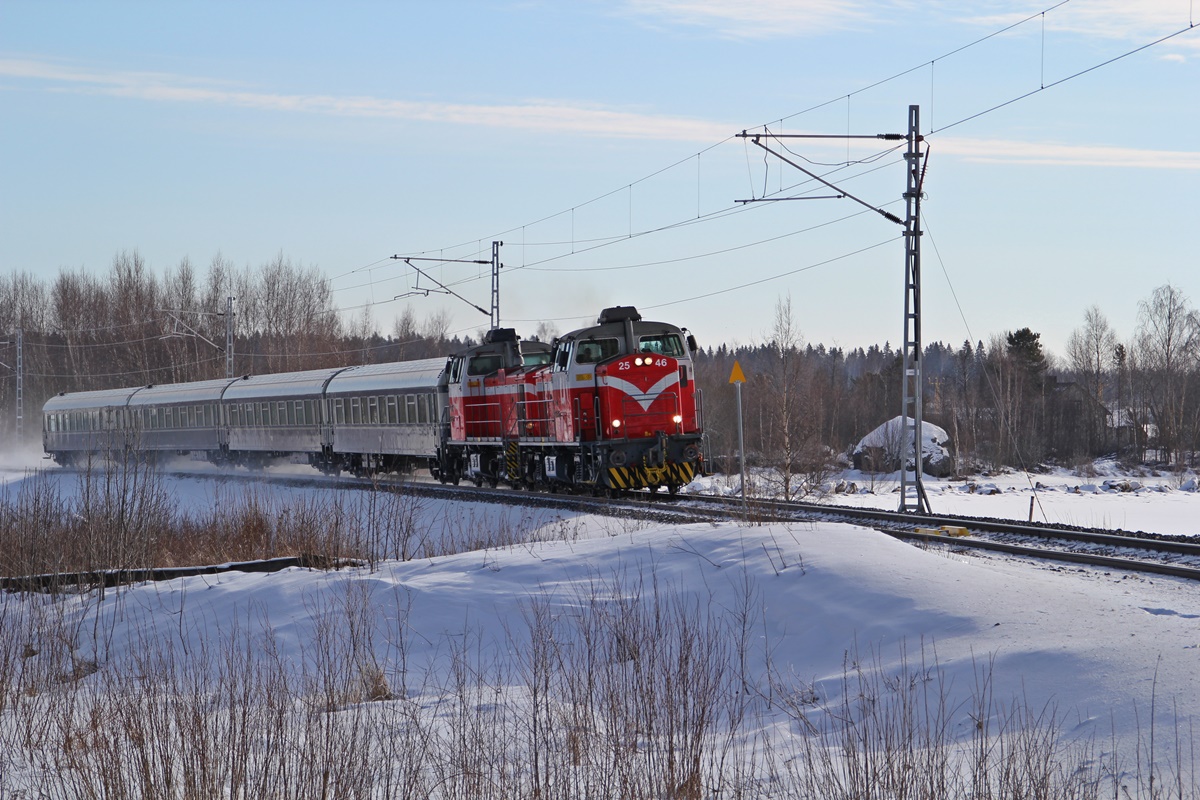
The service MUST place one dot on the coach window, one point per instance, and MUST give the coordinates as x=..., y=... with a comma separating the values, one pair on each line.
x=392, y=415
x=309, y=418
x=372, y=410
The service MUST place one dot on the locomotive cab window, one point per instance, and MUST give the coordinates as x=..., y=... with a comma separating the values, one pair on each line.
x=665, y=344
x=538, y=359
x=591, y=351
x=484, y=365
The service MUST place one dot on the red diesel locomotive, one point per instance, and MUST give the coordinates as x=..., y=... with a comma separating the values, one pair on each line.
x=609, y=408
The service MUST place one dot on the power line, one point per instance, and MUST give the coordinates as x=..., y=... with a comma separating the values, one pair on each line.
x=1071, y=77
x=747, y=284
x=606, y=241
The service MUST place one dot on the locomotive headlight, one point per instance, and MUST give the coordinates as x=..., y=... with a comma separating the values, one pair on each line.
x=637, y=362
x=616, y=423
x=678, y=418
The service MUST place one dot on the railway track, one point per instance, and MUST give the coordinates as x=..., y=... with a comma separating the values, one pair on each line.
x=1133, y=551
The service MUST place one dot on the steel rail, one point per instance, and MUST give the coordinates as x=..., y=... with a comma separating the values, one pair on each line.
x=702, y=508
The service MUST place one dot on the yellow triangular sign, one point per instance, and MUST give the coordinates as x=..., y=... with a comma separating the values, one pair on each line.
x=737, y=376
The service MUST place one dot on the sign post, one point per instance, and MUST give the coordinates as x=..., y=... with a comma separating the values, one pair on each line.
x=737, y=378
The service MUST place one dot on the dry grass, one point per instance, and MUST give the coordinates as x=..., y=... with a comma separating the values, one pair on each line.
x=123, y=517
x=626, y=690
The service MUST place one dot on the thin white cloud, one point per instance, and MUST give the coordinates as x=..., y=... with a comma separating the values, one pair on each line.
x=1135, y=21
x=754, y=19
x=547, y=116
x=1002, y=151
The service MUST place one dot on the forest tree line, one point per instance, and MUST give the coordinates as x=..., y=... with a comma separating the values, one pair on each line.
x=1006, y=402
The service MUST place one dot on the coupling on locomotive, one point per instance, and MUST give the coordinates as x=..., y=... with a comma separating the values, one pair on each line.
x=609, y=407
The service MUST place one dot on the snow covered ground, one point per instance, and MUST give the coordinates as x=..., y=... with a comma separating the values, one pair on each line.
x=1102, y=657
x=1110, y=499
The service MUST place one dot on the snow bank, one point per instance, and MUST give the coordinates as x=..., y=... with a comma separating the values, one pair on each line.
x=881, y=448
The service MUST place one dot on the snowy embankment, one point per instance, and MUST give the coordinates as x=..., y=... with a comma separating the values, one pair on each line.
x=601, y=645
x=1110, y=499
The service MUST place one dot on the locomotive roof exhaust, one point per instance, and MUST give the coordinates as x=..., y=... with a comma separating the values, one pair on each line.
x=619, y=314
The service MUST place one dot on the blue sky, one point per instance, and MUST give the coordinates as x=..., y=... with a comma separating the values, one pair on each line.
x=594, y=139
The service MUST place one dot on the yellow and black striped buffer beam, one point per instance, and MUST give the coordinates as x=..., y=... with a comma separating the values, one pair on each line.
x=641, y=477
x=512, y=457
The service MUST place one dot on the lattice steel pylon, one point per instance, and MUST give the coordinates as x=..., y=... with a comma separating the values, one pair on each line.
x=911, y=415
x=496, y=266
x=913, y=397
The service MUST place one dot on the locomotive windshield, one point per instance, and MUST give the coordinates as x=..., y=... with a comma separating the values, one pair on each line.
x=485, y=364
x=593, y=350
x=666, y=344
